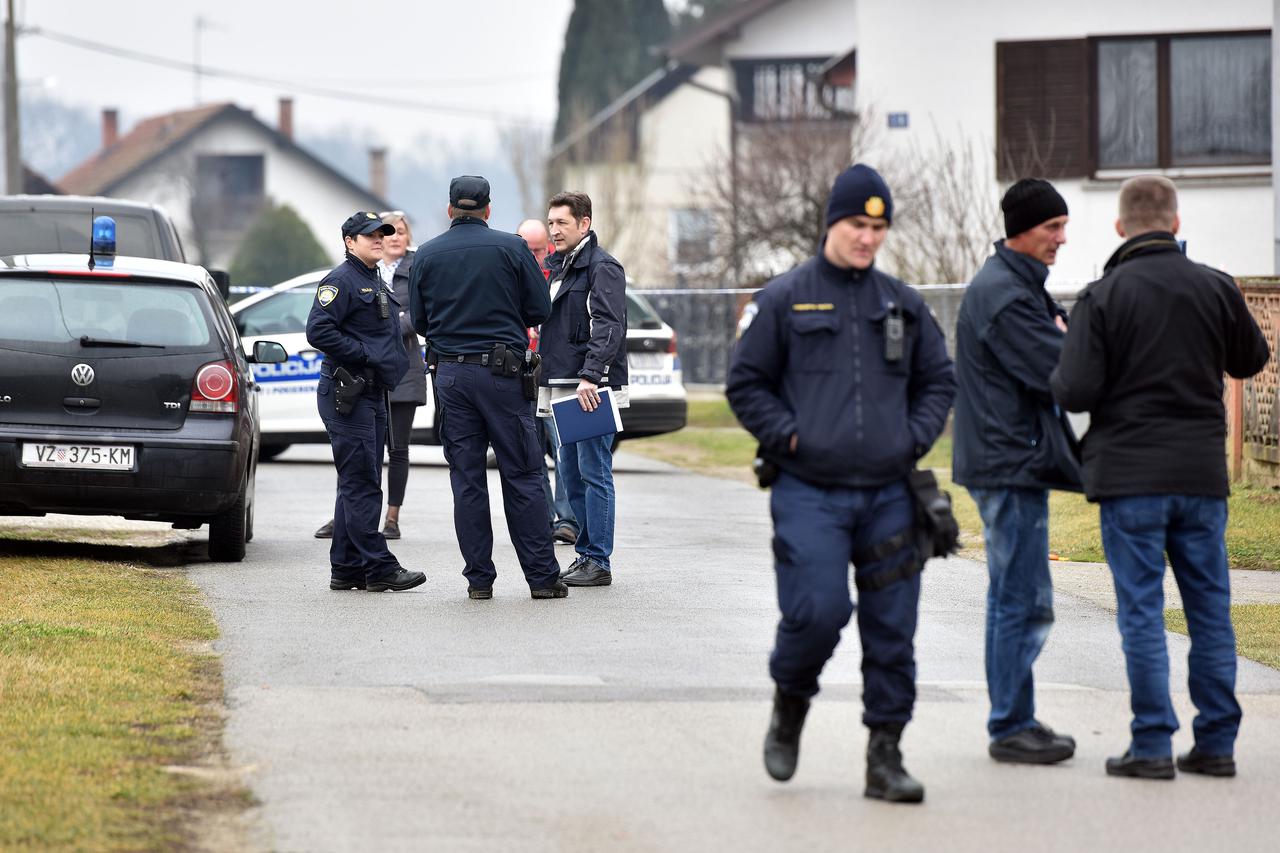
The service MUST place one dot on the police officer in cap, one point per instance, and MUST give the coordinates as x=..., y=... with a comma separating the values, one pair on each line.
x=353, y=321
x=473, y=292
x=842, y=375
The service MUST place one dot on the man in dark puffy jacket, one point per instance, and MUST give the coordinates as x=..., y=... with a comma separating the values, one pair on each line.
x=584, y=348
x=1008, y=336
x=842, y=375
x=1148, y=345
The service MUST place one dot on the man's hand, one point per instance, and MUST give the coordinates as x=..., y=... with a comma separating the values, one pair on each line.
x=588, y=395
x=795, y=440
x=1062, y=324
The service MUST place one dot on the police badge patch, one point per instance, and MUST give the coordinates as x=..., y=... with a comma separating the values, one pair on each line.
x=326, y=294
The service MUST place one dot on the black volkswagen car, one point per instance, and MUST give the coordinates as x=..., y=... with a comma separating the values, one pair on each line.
x=124, y=391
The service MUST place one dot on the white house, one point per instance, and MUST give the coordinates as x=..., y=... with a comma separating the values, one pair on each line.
x=213, y=168
x=1084, y=95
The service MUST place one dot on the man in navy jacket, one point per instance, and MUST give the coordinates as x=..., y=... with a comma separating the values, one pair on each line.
x=1008, y=336
x=843, y=377
x=584, y=348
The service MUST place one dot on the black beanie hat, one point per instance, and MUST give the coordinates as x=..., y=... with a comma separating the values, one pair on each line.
x=1028, y=203
x=859, y=191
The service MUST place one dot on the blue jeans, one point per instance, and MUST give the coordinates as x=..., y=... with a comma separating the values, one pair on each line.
x=1136, y=533
x=816, y=532
x=1015, y=526
x=586, y=469
x=557, y=499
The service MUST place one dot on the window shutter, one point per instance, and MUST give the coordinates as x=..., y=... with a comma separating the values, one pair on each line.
x=1042, y=109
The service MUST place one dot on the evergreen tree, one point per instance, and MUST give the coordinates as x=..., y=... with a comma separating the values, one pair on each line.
x=697, y=11
x=606, y=51
x=278, y=246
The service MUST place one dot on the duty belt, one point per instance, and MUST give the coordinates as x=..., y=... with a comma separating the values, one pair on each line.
x=474, y=358
x=372, y=386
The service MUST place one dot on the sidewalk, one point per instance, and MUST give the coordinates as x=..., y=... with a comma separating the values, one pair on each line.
x=1092, y=582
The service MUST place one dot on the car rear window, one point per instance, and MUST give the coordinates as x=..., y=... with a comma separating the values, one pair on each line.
x=54, y=314
x=26, y=232
x=281, y=313
x=640, y=314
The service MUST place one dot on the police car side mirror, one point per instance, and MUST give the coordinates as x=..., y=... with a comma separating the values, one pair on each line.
x=268, y=352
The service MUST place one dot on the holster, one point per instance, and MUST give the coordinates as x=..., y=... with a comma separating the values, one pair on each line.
x=346, y=390
x=530, y=375
x=503, y=362
x=937, y=531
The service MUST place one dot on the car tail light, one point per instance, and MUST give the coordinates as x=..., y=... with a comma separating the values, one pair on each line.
x=671, y=345
x=215, y=389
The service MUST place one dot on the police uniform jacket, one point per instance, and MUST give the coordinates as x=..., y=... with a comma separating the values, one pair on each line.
x=1145, y=353
x=586, y=336
x=413, y=388
x=472, y=287
x=812, y=362
x=346, y=325
x=1007, y=343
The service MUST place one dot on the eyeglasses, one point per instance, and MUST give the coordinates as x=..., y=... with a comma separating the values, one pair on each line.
x=391, y=214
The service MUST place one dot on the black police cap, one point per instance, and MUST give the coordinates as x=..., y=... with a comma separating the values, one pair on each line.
x=469, y=192
x=364, y=222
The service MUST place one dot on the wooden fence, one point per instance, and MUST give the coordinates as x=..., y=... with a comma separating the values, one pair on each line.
x=1253, y=412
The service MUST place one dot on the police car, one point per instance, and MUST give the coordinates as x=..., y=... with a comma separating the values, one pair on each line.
x=287, y=391
x=125, y=391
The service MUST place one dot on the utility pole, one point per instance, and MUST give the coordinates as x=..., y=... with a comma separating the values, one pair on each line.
x=12, y=137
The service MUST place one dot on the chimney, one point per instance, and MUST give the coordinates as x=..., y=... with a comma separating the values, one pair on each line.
x=378, y=172
x=286, y=118
x=110, y=127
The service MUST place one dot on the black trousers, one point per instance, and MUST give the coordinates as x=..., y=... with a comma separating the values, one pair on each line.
x=401, y=415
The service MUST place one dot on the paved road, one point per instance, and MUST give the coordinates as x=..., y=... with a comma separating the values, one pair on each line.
x=631, y=717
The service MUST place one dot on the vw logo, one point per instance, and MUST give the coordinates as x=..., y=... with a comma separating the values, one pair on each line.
x=82, y=374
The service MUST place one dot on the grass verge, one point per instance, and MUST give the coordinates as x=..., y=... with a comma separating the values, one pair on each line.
x=102, y=686
x=714, y=444
x=1257, y=630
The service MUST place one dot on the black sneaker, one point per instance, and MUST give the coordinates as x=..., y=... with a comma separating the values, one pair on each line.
x=1035, y=745
x=573, y=567
x=558, y=590
x=1140, y=768
x=1205, y=764
x=325, y=531
x=480, y=594
x=391, y=530
x=397, y=581
x=588, y=573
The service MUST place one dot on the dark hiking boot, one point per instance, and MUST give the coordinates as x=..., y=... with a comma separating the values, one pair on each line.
x=887, y=779
x=782, y=742
x=397, y=581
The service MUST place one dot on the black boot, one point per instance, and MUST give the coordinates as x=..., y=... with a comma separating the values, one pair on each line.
x=887, y=779
x=782, y=743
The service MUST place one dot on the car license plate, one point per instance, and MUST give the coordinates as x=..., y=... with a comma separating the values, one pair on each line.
x=644, y=360
x=100, y=457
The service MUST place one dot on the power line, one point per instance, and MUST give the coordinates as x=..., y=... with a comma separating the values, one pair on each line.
x=276, y=83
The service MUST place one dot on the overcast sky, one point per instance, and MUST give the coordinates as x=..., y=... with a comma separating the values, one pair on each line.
x=486, y=63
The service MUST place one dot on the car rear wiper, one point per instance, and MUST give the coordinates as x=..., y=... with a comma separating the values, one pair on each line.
x=86, y=341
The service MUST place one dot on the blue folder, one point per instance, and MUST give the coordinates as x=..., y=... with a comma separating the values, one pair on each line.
x=573, y=424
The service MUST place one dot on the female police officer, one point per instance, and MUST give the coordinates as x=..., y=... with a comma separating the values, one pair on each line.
x=354, y=322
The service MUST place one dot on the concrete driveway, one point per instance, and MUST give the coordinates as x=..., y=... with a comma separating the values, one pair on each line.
x=631, y=717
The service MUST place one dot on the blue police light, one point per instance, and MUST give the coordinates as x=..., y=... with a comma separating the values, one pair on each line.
x=104, y=240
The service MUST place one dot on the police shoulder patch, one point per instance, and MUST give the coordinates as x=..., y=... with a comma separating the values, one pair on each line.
x=748, y=314
x=326, y=294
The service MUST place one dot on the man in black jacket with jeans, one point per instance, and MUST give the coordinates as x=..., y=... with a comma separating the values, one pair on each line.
x=1008, y=336
x=1148, y=345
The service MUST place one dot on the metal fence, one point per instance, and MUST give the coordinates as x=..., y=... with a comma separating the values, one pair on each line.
x=706, y=322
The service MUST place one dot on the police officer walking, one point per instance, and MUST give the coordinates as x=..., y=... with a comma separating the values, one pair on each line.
x=842, y=375
x=473, y=293
x=353, y=321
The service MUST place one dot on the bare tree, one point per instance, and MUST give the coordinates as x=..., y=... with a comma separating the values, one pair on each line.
x=526, y=149
x=946, y=211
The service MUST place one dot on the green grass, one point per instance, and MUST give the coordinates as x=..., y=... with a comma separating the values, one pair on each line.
x=101, y=685
x=713, y=443
x=1257, y=630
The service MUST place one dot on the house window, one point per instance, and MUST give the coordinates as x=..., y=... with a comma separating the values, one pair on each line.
x=692, y=242
x=1071, y=107
x=230, y=190
x=788, y=90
